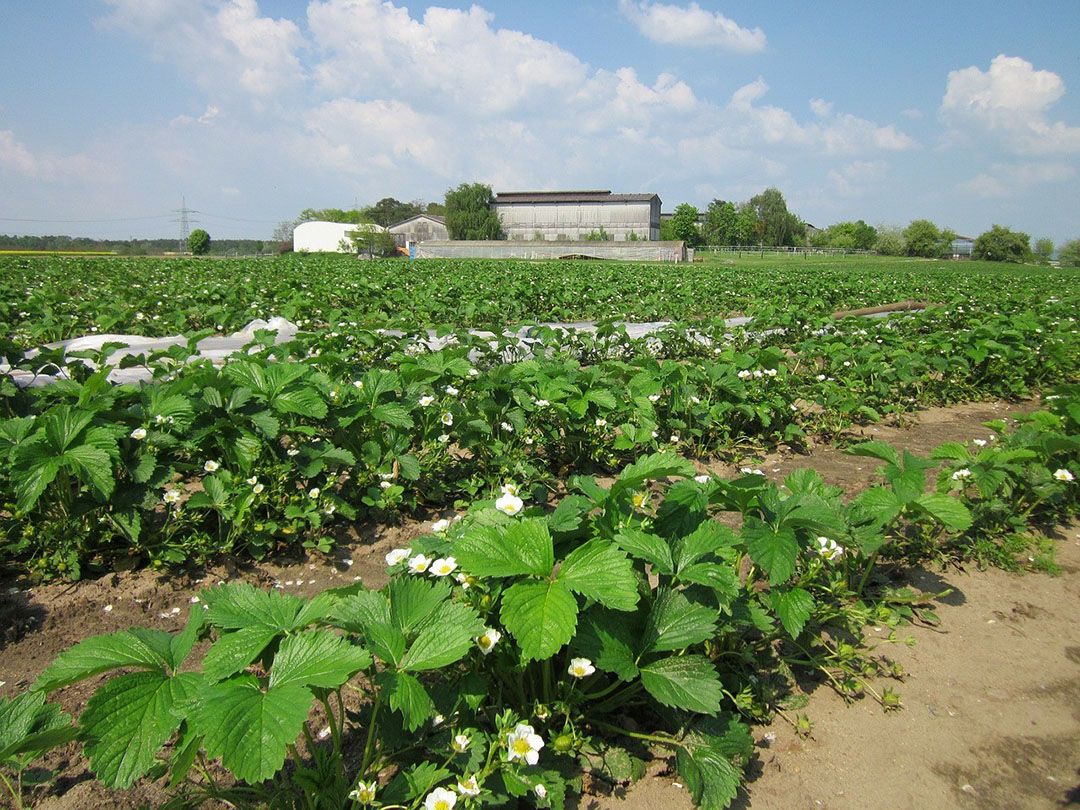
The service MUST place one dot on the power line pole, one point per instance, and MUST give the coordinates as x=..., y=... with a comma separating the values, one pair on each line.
x=185, y=220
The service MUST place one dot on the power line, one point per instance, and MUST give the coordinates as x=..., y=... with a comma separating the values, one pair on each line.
x=73, y=221
x=184, y=215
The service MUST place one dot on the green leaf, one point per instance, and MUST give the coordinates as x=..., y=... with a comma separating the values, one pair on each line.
x=408, y=696
x=301, y=401
x=524, y=547
x=774, y=551
x=239, y=605
x=600, y=571
x=569, y=514
x=878, y=450
x=360, y=610
x=32, y=477
x=648, y=547
x=139, y=648
x=317, y=658
x=249, y=729
x=705, y=539
x=542, y=617
x=446, y=638
x=877, y=504
x=608, y=640
x=180, y=645
x=686, y=682
x=794, y=608
x=234, y=651
x=392, y=414
x=93, y=466
x=386, y=641
x=29, y=725
x=128, y=720
x=413, y=599
x=723, y=579
x=651, y=468
x=63, y=424
x=674, y=622
x=948, y=511
x=711, y=778
x=951, y=451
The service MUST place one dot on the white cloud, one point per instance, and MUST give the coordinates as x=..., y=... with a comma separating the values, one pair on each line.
x=1007, y=180
x=691, y=25
x=820, y=107
x=1011, y=99
x=222, y=43
x=207, y=117
x=17, y=159
x=859, y=177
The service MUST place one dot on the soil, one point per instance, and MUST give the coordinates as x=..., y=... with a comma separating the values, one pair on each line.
x=991, y=699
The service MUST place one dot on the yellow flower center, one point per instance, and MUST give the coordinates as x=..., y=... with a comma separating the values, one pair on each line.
x=521, y=746
x=442, y=804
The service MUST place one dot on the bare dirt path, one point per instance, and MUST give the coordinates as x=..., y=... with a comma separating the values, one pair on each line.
x=991, y=714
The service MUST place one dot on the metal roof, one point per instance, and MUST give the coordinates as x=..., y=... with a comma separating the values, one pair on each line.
x=525, y=197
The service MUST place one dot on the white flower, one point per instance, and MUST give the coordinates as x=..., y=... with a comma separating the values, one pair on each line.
x=447, y=419
x=440, y=525
x=695, y=401
x=252, y=481
x=160, y=419
x=540, y=791
x=979, y=442
x=460, y=743
x=358, y=384
x=542, y=403
x=384, y=485
x=509, y=504
x=468, y=787
x=438, y=720
x=750, y=471
x=138, y=434
x=961, y=474
x=581, y=667
x=211, y=466
x=488, y=639
x=1063, y=475
x=745, y=374
x=601, y=423
x=314, y=493
x=507, y=427
x=440, y=799
x=770, y=372
x=171, y=496
x=758, y=373
x=675, y=438
x=398, y=555
x=528, y=440
x=509, y=489
x=821, y=378
x=364, y=793
x=524, y=743
x=701, y=479
x=829, y=548
x=443, y=567
x=654, y=397
x=258, y=488
x=419, y=564
x=329, y=509
x=473, y=372
x=292, y=451
x=444, y=438
x=452, y=391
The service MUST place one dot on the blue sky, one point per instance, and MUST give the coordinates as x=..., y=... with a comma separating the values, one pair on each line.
x=111, y=110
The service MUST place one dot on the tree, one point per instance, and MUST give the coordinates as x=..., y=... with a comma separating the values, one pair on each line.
x=746, y=225
x=889, y=242
x=721, y=224
x=1044, y=250
x=198, y=242
x=388, y=211
x=847, y=235
x=999, y=244
x=1069, y=254
x=469, y=214
x=775, y=224
x=684, y=227
x=371, y=241
x=923, y=238
x=353, y=217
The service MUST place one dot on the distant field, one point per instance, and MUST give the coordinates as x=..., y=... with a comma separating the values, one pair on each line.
x=52, y=297
x=57, y=252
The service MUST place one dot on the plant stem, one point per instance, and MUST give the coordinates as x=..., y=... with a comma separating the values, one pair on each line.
x=14, y=795
x=547, y=680
x=369, y=745
x=335, y=732
x=654, y=738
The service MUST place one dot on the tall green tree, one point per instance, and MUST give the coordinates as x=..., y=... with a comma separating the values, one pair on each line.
x=889, y=241
x=198, y=242
x=684, y=225
x=721, y=224
x=847, y=235
x=389, y=211
x=351, y=217
x=469, y=214
x=776, y=225
x=999, y=244
x=1069, y=255
x=923, y=238
x=1044, y=250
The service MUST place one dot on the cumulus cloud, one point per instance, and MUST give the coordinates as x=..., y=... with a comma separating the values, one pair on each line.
x=691, y=25
x=859, y=177
x=207, y=117
x=222, y=43
x=1010, y=99
x=1007, y=180
x=18, y=159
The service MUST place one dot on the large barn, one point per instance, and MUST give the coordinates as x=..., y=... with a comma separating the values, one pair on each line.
x=575, y=215
x=327, y=237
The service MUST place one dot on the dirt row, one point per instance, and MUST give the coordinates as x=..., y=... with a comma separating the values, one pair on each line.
x=991, y=714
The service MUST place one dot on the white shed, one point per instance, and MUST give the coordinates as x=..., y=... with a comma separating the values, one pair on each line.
x=326, y=237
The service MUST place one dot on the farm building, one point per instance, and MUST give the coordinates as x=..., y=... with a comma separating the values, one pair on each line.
x=962, y=247
x=326, y=237
x=574, y=215
x=420, y=228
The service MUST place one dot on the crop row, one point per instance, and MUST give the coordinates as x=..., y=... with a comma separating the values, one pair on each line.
x=512, y=646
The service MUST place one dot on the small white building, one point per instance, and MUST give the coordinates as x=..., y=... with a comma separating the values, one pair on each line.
x=327, y=237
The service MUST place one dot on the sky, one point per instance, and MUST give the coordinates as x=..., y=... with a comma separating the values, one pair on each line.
x=113, y=112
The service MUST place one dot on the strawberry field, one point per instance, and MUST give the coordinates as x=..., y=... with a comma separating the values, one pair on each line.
x=581, y=563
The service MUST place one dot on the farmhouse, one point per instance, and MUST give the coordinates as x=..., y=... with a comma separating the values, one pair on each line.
x=420, y=228
x=327, y=237
x=575, y=215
